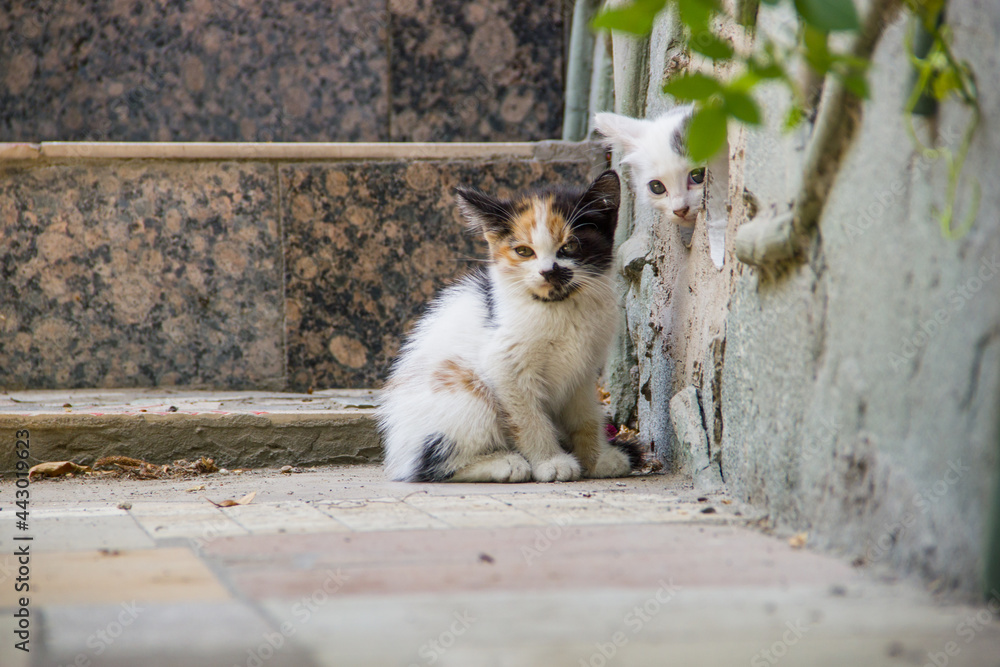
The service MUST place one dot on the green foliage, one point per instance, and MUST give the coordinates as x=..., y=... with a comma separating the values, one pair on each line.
x=828, y=15
x=719, y=101
x=636, y=18
x=940, y=75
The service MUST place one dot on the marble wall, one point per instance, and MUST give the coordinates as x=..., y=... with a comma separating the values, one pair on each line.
x=266, y=70
x=236, y=275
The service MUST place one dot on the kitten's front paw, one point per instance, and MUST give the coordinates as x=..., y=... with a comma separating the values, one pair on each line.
x=560, y=468
x=611, y=462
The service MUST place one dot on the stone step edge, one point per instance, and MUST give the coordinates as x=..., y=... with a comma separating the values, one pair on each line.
x=88, y=150
x=235, y=437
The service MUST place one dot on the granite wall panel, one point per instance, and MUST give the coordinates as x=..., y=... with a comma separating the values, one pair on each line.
x=368, y=245
x=485, y=70
x=266, y=70
x=140, y=274
x=193, y=70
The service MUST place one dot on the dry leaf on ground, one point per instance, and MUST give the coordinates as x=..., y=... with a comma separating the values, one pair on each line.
x=56, y=469
x=245, y=500
x=798, y=540
x=129, y=468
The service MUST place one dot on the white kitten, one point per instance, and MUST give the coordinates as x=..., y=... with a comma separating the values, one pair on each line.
x=497, y=383
x=662, y=174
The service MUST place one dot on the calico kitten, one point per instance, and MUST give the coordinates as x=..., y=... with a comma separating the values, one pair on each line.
x=497, y=381
x=662, y=174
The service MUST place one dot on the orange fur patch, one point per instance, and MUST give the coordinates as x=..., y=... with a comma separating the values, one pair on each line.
x=523, y=230
x=454, y=377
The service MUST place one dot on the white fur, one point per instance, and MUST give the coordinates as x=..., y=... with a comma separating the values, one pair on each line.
x=540, y=361
x=648, y=147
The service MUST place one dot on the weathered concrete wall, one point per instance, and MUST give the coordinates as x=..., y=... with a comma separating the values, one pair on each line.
x=860, y=391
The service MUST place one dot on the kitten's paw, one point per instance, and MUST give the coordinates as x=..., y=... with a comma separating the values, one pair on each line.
x=510, y=467
x=560, y=468
x=611, y=462
x=516, y=469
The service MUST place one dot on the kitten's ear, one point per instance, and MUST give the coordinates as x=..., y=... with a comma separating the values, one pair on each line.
x=621, y=131
x=679, y=141
x=601, y=201
x=487, y=215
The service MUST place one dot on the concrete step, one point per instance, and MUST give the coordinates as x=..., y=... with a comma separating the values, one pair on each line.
x=238, y=429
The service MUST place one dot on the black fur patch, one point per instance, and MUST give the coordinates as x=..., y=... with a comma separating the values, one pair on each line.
x=435, y=454
x=593, y=216
x=485, y=214
x=633, y=449
x=484, y=284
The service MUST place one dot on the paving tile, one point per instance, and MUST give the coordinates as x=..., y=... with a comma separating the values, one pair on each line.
x=473, y=511
x=521, y=558
x=88, y=533
x=380, y=514
x=188, y=633
x=565, y=509
x=200, y=521
x=796, y=626
x=10, y=656
x=79, y=528
x=94, y=577
x=287, y=517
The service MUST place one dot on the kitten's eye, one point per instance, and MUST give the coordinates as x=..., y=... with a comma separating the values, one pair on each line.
x=657, y=188
x=524, y=251
x=697, y=176
x=569, y=249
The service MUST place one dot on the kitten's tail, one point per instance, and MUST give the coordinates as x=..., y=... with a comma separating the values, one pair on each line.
x=631, y=446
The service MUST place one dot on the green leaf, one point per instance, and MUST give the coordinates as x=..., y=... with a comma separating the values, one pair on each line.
x=944, y=83
x=857, y=83
x=709, y=45
x=636, y=18
x=794, y=116
x=829, y=15
x=817, y=50
x=771, y=70
x=694, y=86
x=696, y=14
x=741, y=107
x=706, y=134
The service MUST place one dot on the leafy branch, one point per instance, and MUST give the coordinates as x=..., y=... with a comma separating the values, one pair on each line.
x=720, y=99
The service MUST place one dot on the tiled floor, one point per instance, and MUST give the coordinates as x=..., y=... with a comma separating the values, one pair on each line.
x=335, y=566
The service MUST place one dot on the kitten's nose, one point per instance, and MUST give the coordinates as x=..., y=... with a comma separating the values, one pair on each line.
x=555, y=274
x=682, y=212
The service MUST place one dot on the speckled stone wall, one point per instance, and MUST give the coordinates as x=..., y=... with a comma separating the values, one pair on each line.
x=140, y=275
x=231, y=70
x=489, y=70
x=232, y=275
x=369, y=244
x=267, y=70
